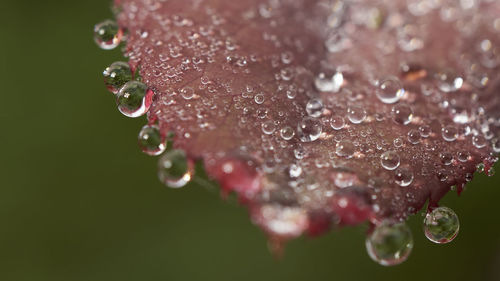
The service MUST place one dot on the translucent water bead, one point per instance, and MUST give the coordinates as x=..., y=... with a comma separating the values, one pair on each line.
x=134, y=99
x=441, y=225
x=107, y=34
x=151, y=140
x=174, y=169
x=390, y=90
x=116, y=75
x=390, y=244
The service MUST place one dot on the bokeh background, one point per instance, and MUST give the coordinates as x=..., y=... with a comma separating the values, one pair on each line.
x=79, y=201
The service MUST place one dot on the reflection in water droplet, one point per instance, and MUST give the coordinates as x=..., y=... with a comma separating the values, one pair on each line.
x=151, y=141
x=314, y=107
x=390, y=90
x=134, y=99
x=329, y=84
x=107, y=35
x=116, y=75
x=441, y=225
x=414, y=136
x=174, y=169
x=309, y=129
x=389, y=160
x=479, y=141
x=287, y=133
x=390, y=244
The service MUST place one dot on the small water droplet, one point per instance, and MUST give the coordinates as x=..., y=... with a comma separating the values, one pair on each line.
x=116, y=75
x=329, y=84
x=345, y=149
x=287, y=133
x=441, y=225
x=134, y=99
x=449, y=133
x=403, y=176
x=107, y=35
x=402, y=114
x=390, y=244
x=187, y=93
x=389, y=160
x=390, y=90
x=174, y=169
x=268, y=127
x=356, y=114
x=309, y=129
x=337, y=122
x=314, y=107
x=151, y=141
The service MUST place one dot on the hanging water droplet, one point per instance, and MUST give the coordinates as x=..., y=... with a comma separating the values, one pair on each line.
x=287, y=133
x=345, y=149
x=448, y=81
x=336, y=42
x=309, y=129
x=107, y=34
x=174, y=169
x=390, y=244
x=314, y=107
x=268, y=127
x=356, y=114
x=449, y=133
x=403, y=176
x=390, y=90
x=134, y=99
x=116, y=75
x=441, y=225
x=402, y=114
x=151, y=141
x=389, y=160
x=337, y=122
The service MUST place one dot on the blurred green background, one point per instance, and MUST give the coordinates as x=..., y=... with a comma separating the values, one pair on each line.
x=79, y=201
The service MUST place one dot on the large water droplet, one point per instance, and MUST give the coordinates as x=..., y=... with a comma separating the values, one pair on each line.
x=356, y=114
x=151, y=141
x=134, y=99
x=174, y=169
x=345, y=148
x=441, y=225
x=389, y=160
x=116, y=75
x=107, y=34
x=390, y=244
x=390, y=90
x=309, y=129
x=479, y=141
x=314, y=107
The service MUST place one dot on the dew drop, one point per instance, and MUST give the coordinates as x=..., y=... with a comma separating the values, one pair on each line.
x=403, y=176
x=134, y=99
x=314, y=107
x=151, y=141
x=309, y=129
x=345, y=149
x=425, y=131
x=402, y=114
x=390, y=90
x=107, y=35
x=390, y=244
x=174, y=169
x=446, y=158
x=287, y=133
x=116, y=75
x=337, y=122
x=356, y=114
x=449, y=133
x=187, y=93
x=441, y=225
x=268, y=127
x=389, y=160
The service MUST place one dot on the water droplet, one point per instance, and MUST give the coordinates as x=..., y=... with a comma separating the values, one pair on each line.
x=134, y=99
x=287, y=133
x=390, y=244
x=345, y=148
x=356, y=114
x=414, y=136
x=403, y=176
x=450, y=133
x=446, y=158
x=337, y=122
x=425, y=131
x=116, y=75
x=389, y=160
x=441, y=225
x=268, y=127
x=151, y=141
x=448, y=81
x=259, y=98
x=479, y=141
x=314, y=107
x=329, y=84
x=174, y=169
x=390, y=90
x=294, y=171
x=187, y=93
x=402, y=114
x=309, y=129
x=107, y=34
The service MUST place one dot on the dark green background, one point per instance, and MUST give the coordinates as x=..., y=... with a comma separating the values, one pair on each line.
x=79, y=201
